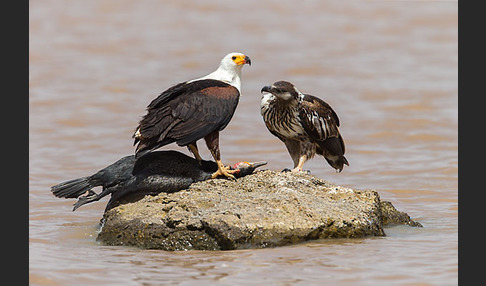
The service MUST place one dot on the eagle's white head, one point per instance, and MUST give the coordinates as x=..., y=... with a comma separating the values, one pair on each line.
x=229, y=69
x=234, y=61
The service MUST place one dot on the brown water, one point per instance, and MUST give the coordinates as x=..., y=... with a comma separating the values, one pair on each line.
x=388, y=68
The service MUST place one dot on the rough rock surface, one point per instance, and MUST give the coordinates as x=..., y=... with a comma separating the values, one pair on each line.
x=264, y=209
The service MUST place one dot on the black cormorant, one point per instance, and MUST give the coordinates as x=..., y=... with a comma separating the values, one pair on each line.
x=130, y=179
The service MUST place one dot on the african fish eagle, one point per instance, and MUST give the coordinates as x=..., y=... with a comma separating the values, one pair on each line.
x=195, y=109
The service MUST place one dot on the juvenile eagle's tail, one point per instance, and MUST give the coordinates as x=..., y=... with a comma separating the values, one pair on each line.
x=337, y=162
x=72, y=188
x=334, y=153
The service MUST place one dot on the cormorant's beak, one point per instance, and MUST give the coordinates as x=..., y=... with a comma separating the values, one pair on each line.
x=246, y=168
x=255, y=165
x=266, y=88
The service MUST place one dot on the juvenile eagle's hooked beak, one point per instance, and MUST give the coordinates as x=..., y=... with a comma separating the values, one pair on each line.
x=266, y=88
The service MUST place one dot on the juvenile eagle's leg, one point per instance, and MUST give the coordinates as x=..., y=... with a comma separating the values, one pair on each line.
x=294, y=148
x=300, y=165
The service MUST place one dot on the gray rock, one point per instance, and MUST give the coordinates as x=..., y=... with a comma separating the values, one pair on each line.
x=264, y=209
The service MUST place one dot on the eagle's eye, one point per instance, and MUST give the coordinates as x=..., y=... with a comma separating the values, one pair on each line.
x=233, y=58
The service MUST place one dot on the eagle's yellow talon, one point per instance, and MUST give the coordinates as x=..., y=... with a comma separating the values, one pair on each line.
x=225, y=171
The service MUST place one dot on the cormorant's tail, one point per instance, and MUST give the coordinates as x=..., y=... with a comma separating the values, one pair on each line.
x=72, y=188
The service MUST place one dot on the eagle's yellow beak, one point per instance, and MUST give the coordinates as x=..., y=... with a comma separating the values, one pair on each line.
x=241, y=60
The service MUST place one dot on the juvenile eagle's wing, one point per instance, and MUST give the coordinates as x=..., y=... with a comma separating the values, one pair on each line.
x=321, y=123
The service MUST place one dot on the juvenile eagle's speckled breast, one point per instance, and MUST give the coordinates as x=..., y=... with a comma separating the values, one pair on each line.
x=281, y=118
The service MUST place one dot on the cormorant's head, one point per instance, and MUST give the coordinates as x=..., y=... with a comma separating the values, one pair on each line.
x=283, y=90
x=246, y=168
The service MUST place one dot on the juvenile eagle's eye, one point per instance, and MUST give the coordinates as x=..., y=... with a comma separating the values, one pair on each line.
x=233, y=58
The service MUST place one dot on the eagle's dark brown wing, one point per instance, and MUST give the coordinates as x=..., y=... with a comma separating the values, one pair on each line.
x=186, y=113
x=321, y=123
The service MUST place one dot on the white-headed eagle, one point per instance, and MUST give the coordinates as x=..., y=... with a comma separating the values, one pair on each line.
x=195, y=109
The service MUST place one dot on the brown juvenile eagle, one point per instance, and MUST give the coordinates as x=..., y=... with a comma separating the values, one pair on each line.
x=304, y=123
x=195, y=109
